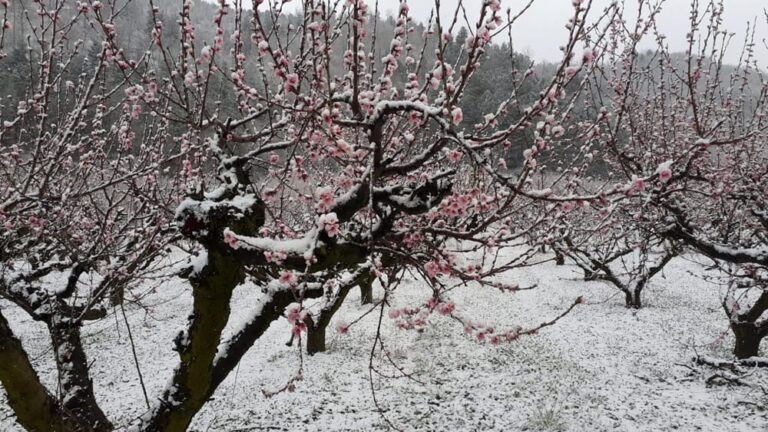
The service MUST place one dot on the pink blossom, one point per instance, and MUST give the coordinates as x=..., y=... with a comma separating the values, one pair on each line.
x=205, y=53
x=263, y=47
x=589, y=56
x=295, y=314
x=454, y=155
x=432, y=268
x=494, y=5
x=552, y=94
x=432, y=302
x=664, y=171
x=231, y=239
x=189, y=78
x=35, y=223
x=315, y=137
x=288, y=277
x=325, y=198
x=291, y=83
x=446, y=308
x=298, y=328
x=329, y=222
x=637, y=185
x=343, y=147
x=342, y=327
x=458, y=115
x=327, y=118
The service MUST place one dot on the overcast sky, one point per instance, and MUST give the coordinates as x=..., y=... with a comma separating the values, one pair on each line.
x=541, y=30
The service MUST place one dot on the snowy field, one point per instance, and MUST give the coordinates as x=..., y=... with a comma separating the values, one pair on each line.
x=601, y=368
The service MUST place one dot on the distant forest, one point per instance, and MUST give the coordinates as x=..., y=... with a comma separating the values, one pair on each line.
x=497, y=79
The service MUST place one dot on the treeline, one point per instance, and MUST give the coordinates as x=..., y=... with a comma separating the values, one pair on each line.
x=499, y=77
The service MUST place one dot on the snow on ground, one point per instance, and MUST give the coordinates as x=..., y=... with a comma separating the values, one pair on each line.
x=601, y=368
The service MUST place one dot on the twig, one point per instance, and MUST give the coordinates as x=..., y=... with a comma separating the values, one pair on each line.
x=135, y=357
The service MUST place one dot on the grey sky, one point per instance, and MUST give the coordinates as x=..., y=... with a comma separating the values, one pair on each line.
x=542, y=29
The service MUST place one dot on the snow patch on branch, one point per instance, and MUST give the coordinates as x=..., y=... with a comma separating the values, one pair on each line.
x=238, y=328
x=297, y=246
x=201, y=209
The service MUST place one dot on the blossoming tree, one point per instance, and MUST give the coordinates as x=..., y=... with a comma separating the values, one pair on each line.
x=328, y=166
x=687, y=132
x=87, y=195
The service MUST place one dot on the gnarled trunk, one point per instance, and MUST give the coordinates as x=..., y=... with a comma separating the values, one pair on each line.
x=35, y=408
x=748, y=328
x=316, y=329
x=366, y=288
x=74, y=376
x=316, y=338
x=198, y=345
x=748, y=338
x=632, y=298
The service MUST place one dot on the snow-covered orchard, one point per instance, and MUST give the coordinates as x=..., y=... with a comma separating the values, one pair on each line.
x=250, y=218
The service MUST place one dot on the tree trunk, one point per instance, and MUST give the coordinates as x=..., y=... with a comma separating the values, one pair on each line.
x=316, y=329
x=35, y=408
x=239, y=343
x=74, y=376
x=198, y=345
x=632, y=299
x=748, y=340
x=316, y=339
x=366, y=289
x=117, y=296
x=559, y=259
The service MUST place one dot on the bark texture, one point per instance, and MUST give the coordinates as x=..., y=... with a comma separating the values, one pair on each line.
x=36, y=409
